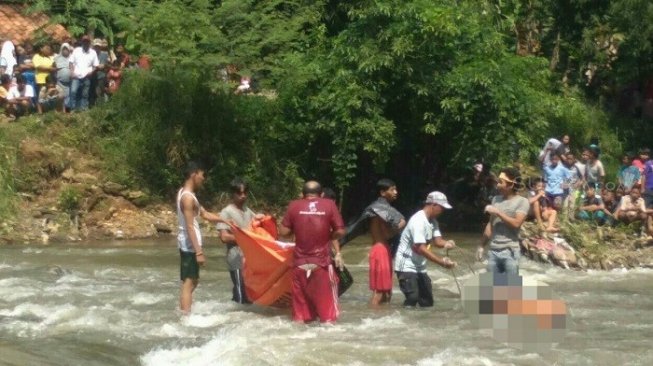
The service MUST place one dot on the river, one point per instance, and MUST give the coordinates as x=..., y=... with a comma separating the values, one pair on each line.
x=115, y=304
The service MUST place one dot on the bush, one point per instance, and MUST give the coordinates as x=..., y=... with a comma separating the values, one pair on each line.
x=70, y=200
x=159, y=121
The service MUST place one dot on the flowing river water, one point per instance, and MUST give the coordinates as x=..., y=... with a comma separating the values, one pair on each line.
x=115, y=304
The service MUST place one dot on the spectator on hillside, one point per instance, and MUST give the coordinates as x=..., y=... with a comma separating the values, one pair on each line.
x=244, y=86
x=63, y=75
x=26, y=66
x=541, y=208
x=143, y=62
x=564, y=148
x=8, y=53
x=610, y=206
x=114, y=78
x=556, y=177
x=51, y=96
x=632, y=207
x=122, y=56
x=83, y=63
x=99, y=78
x=591, y=208
x=5, y=85
x=43, y=65
x=641, y=159
x=594, y=171
x=628, y=175
x=545, y=154
x=20, y=98
x=647, y=177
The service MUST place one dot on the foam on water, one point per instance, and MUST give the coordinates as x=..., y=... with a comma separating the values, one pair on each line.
x=149, y=298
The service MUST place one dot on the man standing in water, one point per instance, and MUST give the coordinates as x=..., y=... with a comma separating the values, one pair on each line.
x=189, y=239
x=507, y=213
x=420, y=233
x=242, y=216
x=384, y=225
x=316, y=223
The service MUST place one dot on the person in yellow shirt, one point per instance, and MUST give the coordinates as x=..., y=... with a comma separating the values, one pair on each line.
x=44, y=65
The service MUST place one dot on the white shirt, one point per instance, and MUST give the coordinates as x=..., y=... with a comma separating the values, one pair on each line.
x=183, y=239
x=419, y=230
x=8, y=53
x=83, y=62
x=14, y=93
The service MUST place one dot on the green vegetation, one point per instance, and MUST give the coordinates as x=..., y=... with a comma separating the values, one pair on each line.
x=69, y=200
x=413, y=89
x=7, y=188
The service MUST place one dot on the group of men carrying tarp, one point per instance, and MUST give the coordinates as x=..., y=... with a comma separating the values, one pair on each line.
x=319, y=232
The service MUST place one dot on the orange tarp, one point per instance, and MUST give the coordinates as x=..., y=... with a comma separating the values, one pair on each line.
x=267, y=267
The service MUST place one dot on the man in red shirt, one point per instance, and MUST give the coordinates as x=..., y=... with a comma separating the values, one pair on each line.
x=316, y=223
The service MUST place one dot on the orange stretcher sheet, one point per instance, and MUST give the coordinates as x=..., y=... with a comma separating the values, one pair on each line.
x=267, y=267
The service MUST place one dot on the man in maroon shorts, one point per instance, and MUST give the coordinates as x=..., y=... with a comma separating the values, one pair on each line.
x=316, y=223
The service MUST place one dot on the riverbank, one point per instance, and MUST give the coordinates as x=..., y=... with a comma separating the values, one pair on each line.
x=60, y=187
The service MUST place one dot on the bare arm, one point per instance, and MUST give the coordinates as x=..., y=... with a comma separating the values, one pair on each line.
x=211, y=217
x=226, y=236
x=423, y=250
x=487, y=234
x=440, y=242
x=337, y=234
x=284, y=231
x=336, y=246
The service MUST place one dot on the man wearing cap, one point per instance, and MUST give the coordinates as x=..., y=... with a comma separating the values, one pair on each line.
x=420, y=233
x=83, y=63
x=507, y=214
x=62, y=66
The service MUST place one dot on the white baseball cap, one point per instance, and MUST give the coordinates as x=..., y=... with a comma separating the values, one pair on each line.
x=438, y=198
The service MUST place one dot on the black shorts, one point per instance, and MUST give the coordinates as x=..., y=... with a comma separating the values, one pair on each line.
x=189, y=268
x=648, y=198
x=417, y=288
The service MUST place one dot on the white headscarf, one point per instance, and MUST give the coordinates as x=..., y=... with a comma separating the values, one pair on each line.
x=8, y=53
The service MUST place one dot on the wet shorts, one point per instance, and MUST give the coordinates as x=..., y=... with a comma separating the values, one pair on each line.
x=189, y=268
x=380, y=268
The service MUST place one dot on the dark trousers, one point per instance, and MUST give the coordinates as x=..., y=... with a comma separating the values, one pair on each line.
x=238, y=291
x=417, y=288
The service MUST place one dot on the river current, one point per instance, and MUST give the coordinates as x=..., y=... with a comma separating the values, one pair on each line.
x=115, y=304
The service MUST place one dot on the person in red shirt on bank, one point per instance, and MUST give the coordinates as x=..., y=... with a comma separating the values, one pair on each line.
x=316, y=223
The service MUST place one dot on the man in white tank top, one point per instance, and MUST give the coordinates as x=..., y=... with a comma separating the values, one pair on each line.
x=189, y=239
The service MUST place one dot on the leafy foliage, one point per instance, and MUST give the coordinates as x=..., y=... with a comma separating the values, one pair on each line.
x=415, y=89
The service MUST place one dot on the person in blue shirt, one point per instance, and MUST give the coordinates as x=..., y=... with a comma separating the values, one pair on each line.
x=557, y=177
x=628, y=175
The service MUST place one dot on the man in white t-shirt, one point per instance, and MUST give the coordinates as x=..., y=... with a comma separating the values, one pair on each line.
x=20, y=97
x=420, y=233
x=83, y=63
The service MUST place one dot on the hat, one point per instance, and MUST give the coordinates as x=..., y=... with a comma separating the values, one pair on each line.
x=438, y=198
x=65, y=45
x=97, y=42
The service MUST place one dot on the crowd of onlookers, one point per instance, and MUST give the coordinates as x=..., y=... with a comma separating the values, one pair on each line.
x=581, y=190
x=72, y=76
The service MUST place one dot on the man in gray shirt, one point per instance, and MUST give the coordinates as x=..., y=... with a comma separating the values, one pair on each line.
x=507, y=214
x=242, y=216
x=62, y=64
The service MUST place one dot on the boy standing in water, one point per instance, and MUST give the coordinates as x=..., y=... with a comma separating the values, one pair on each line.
x=507, y=214
x=420, y=233
x=240, y=214
x=316, y=223
x=189, y=238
